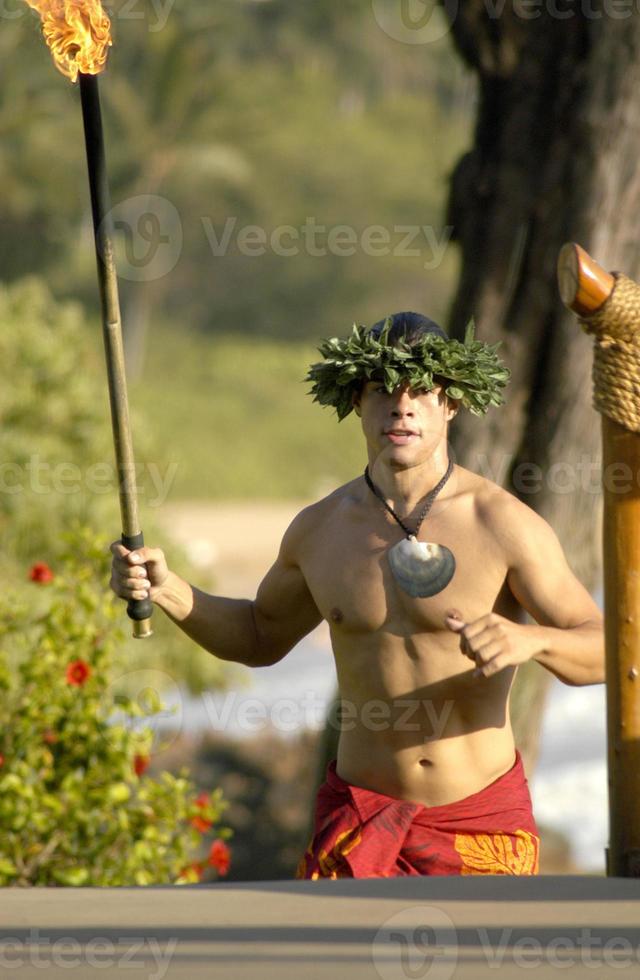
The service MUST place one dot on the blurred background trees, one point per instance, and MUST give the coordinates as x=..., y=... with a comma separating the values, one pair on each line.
x=273, y=115
x=266, y=113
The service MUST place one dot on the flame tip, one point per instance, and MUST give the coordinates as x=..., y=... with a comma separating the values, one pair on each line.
x=77, y=33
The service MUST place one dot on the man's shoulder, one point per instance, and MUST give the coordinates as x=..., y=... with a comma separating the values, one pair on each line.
x=491, y=501
x=510, y=520
x=315, y=516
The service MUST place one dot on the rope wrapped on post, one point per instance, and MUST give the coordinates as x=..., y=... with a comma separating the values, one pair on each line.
x=608, y=308
x=615, y=327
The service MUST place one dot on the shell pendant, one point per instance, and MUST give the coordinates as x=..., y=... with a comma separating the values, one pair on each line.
x=420, y=568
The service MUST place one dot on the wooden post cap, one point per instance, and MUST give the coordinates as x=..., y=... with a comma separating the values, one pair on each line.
x=584, y=285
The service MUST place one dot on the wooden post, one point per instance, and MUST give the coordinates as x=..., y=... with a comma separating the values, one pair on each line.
x=587, y=290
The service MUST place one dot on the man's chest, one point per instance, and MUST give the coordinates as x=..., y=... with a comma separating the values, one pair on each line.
x=348, y=572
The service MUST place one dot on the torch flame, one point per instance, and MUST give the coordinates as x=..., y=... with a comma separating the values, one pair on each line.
x=77, y=33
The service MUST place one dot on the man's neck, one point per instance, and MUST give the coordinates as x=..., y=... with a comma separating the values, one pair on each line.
x=405, y=487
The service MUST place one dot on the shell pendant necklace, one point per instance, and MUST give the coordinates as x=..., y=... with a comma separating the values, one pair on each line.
x=420, y=568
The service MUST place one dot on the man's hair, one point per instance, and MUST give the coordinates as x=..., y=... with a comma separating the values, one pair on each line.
x=410, y=327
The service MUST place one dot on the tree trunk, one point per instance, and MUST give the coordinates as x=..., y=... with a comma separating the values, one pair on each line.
x=554, y=159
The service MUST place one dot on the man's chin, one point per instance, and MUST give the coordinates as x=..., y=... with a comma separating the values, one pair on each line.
x=403, y=457
x=406, y=457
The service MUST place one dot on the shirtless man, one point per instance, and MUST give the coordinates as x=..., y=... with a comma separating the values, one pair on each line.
x=423, y=729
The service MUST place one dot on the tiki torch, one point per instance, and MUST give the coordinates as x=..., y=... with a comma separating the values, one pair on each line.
x=608, y=306
x=78, y=35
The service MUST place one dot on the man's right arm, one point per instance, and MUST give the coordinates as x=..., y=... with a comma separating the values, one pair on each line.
x=256, y=632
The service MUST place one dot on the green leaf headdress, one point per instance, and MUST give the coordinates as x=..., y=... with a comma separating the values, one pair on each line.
x=474, y=370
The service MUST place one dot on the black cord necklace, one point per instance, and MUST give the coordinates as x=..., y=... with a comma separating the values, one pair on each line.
x=420, y=568
x=431, y=496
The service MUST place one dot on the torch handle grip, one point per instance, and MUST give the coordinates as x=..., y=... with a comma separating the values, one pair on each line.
x=138, y=610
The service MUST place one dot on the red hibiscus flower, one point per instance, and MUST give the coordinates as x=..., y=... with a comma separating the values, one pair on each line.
x=78, y=671
x=40, y=572
x=199, y=822
x=219, y=856
x=140, y=764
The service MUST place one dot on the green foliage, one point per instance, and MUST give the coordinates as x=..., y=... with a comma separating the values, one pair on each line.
x=54, y=418
x=55, y=443
x=474, y=368
x=266, y=113
x=76, y=807
x=51, y=401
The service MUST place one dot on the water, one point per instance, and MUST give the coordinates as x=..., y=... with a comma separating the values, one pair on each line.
x=569, y=787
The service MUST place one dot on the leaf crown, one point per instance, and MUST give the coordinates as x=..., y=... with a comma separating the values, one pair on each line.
x=474, y=370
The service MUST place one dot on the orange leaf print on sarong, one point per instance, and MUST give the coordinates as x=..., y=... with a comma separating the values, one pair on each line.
x=331, y=863
x=493, y=854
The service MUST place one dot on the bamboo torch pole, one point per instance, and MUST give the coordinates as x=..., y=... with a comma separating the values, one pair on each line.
x=78, y=35
x=609, y=308
x=139, y=610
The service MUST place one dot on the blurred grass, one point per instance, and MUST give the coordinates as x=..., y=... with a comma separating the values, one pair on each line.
x=234, y=418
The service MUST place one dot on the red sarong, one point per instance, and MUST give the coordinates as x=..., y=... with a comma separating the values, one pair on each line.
x=363, y=834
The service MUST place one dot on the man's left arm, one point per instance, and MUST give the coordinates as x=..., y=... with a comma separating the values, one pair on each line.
x=567, y=637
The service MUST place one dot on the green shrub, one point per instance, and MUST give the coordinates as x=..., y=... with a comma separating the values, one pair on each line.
x=76, y=804
x=55, y=434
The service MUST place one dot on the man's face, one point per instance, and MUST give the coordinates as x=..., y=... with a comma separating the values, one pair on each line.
x=404, y=427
